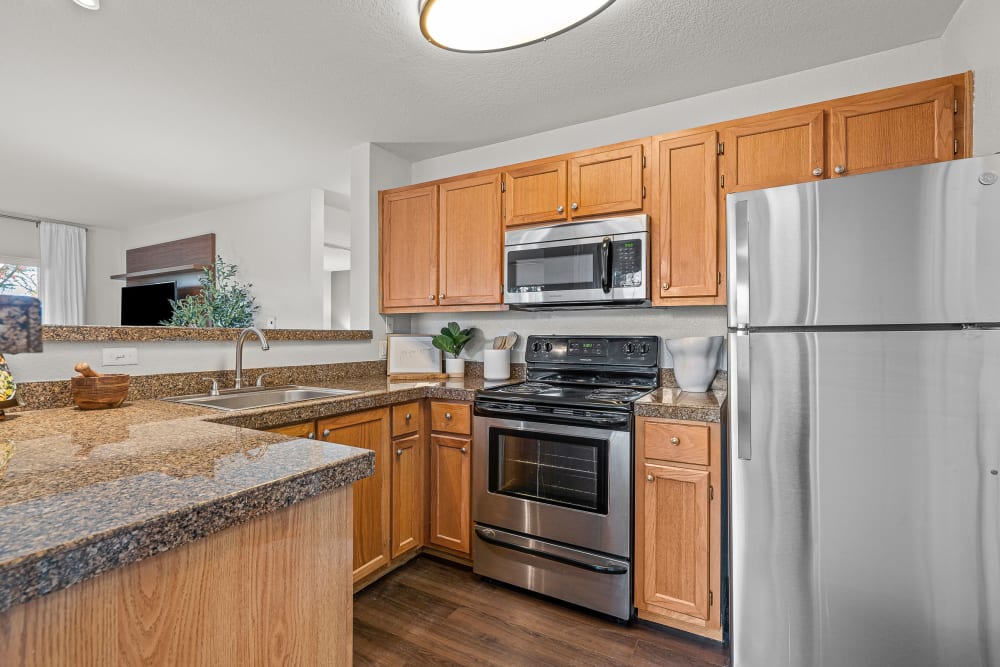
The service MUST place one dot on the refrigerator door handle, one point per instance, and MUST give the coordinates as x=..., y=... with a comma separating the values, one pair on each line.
x=738, y=259
x=739, y=394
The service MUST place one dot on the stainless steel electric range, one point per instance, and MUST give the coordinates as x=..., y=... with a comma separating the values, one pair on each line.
x=552, y=490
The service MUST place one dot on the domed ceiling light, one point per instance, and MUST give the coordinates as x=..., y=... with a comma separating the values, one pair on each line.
x=481, y=26
x=89, y=4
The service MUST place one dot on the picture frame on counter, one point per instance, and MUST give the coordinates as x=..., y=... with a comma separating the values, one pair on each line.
x=412, y=356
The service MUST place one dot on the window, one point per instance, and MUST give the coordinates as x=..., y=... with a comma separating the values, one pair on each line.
x=19, y=279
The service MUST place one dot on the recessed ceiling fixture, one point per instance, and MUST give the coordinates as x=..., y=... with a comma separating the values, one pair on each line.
x=89, y=4
x=497, y=25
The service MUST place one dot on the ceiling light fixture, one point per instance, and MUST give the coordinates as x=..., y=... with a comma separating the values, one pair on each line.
x=482, y=27
x=89, y=4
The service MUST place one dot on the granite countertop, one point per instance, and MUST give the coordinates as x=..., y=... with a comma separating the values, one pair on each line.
x=84, y=492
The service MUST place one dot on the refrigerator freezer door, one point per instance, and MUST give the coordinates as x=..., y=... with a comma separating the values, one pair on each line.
x=865, y=524
x=906, y=246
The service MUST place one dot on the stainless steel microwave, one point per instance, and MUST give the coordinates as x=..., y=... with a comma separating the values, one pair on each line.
x=591, y=264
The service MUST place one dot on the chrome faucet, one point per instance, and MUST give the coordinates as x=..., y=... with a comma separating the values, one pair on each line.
x=239, y=351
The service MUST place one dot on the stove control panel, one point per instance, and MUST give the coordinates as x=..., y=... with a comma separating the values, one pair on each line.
x=594, y=350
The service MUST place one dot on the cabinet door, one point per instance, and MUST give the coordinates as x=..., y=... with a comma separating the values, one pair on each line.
x=471, y=242
x=606, y=182
x=408, y=247
x=776, y=149
x=367, y=430
x=302, y=430
x=450, y=491
x=685, y=216
x=535, y=194
x=675, y=525
x=893, y=129
x=407, y=494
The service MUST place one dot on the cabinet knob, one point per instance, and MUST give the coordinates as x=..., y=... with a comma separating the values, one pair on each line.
x=574, y=206
x=665, y=286
x=675, y=440
x=560, y=209
x=399, y=452
x=840, y=169
x=818, y=171
x=326, y=432
x=447, y=415
x=465, y=450
x=441, y=295
x=407, y=416
x=430, y=297
x=649, y=478
x=312, y=435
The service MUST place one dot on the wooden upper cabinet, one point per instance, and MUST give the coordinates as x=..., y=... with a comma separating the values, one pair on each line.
x=676, y=536
x=536, y=193
x=780, y=148
x=471, y=241
x=408, y=247
x=895, y=128
x=605, y=182
x=685, y=232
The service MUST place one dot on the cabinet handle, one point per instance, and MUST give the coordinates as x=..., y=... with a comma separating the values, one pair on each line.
x=407, y=416
x=574, y=206
x=326, y=432
x=675, y=440
x=665, y=286
x=312, y=435
x=399, y=452
x=430, y=297
x=840, y=169
x=464, y=450
x=560, y=209
x=818, y=171
x=447, y=415
x=649, y=478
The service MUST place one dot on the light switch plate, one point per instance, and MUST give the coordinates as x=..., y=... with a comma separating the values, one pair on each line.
x=383, y=349
x=120, y=356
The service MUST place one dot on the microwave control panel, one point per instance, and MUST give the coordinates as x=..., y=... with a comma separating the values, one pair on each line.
x=603, y=350
x=626, y=263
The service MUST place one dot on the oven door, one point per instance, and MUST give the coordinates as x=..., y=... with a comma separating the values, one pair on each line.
x=568, y=484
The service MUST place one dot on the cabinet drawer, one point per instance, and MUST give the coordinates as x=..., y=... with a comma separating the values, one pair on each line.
x=673, y=441
x=451, y=417
x=405, y=419
x=302, y=430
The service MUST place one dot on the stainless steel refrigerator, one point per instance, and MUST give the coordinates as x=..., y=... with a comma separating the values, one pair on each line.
x=864, y=420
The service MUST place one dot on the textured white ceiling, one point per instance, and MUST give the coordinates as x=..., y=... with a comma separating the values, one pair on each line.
x=150, y=109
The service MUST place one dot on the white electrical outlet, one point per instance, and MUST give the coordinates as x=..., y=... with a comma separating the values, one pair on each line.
x=383, y=349
x=271, y=322
x=119, y=356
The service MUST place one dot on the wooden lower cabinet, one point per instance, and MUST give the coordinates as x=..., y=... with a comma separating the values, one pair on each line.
x=407, y=494
x=300, y=430
x=451, y=478
x=367, y=430
x=678, y=528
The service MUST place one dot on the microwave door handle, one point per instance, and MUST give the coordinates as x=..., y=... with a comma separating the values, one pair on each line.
x=606, y=264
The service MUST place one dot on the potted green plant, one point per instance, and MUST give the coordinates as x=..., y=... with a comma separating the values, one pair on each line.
x=451, y=340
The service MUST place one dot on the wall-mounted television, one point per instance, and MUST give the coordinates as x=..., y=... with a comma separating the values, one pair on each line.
x=147, y=305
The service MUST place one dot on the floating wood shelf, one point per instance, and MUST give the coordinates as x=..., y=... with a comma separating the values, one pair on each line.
x=166, y=271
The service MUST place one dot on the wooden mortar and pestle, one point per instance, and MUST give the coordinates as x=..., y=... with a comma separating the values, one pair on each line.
x=95, y=391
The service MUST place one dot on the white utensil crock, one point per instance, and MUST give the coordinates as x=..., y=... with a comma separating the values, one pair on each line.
x=496, y=364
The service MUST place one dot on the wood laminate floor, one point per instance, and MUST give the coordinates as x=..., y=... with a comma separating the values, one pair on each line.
x=431, y=612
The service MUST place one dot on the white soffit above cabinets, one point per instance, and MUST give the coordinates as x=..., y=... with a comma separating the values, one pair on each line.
x=148, y=110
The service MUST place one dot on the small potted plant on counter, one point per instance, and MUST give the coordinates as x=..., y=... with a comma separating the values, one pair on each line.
x=451, y=340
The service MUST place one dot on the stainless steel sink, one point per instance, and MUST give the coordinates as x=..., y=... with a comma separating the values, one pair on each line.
x=241, y=399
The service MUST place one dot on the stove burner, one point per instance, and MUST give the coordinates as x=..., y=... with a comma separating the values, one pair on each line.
x=525, y=388
x=612, y=392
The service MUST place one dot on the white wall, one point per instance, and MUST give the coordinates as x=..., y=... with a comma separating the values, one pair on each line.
x=340, y=299
x=18, y=239
x=277, y=242
x=970, y=42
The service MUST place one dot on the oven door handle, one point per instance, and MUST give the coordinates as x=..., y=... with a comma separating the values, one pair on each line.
x=606, y=264
x=518, y=543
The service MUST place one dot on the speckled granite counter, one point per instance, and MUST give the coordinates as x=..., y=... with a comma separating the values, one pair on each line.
x=85, y=492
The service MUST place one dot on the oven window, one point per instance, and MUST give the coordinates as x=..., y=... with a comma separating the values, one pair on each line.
x=552, y=469
x=557, y=268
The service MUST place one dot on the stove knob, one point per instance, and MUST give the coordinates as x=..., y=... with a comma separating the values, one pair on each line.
x=548, y=347
x=645, y=348
x=536, y=347
x=629, y=348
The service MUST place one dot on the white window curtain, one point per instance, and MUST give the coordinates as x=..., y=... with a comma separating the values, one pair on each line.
x=63, y=280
